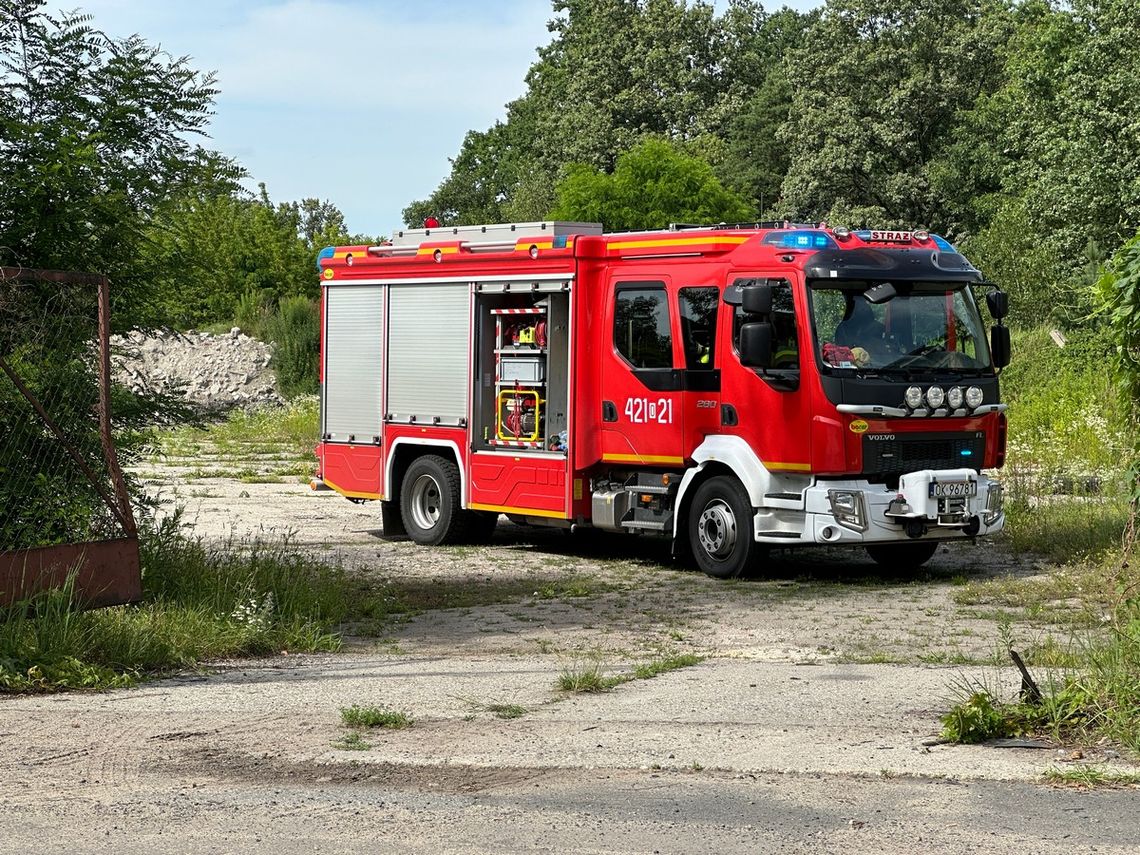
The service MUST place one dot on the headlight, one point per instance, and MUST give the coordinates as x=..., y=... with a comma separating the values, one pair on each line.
x=913, y=397
x=848, y=508
x=974, y=397
x=935, y=396
x=954, y=397
x=995, y=501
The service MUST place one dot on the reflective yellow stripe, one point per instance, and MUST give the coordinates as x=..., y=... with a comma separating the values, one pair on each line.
x=651, y=243
x=642, y=458
x=432, y=250
x=352, y=494
x=526, y=512
x=787, y=467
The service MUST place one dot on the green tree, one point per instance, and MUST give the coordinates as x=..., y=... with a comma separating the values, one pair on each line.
x=653, y=184
x=211, y=253
x=95, y=133
x=1081, y=171
x=616, y=72
x=879, y=87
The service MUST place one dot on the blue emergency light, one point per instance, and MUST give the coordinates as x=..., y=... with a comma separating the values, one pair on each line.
x=801, y=239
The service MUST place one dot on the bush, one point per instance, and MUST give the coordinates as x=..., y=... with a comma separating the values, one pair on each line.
x=295, y=332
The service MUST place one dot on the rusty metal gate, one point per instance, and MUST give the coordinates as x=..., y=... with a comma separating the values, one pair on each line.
x=64, y=505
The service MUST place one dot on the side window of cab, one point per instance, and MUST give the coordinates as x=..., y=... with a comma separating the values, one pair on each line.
x=785, y=344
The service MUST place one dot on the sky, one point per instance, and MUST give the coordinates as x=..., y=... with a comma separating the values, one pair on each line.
x=360, y=102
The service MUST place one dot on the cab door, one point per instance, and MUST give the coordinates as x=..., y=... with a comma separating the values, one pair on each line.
x=641, y=381
x=698, y=309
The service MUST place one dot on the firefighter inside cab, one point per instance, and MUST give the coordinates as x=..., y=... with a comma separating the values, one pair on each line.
x=732, y=389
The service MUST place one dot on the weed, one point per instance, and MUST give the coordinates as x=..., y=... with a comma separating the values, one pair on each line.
x=1088, y=777
x=352, y=741
x=587, y=678
x=370, y=716
x=507, y=711
x=649, y=670
x=976, y=719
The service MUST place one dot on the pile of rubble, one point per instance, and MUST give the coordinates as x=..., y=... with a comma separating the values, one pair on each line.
x=215, y=372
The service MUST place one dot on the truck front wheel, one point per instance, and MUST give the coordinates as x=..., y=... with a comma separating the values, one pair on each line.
x=430, y=501
x=720, y=528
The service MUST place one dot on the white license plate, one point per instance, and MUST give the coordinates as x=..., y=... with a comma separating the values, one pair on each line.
x=953, y=489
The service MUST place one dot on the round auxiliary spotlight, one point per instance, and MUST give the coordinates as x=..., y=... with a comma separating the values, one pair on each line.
x=922, y=235
x=974, y=397
x=935, y=396
x=954, y=397
x=913, y=397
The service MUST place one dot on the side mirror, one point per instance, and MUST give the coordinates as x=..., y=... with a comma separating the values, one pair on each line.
x=998, y=304
x=881, y=293
x=757, y=299
x=999, y=344
x=756, y=344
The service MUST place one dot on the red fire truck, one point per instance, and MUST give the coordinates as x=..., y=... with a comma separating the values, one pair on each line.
x=729, y=388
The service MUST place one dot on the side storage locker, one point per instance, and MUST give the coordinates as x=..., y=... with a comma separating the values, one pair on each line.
x=351, y=403
x=429, y=344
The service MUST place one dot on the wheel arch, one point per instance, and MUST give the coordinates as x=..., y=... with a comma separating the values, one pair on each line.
x=405, y=450
x=725, y=455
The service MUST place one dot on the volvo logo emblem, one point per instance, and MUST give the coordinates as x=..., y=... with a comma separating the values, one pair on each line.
x=880, y=437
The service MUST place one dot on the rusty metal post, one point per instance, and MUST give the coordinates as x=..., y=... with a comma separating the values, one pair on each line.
x=126, y=515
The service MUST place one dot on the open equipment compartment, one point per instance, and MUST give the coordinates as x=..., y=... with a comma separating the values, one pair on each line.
x=522, y=376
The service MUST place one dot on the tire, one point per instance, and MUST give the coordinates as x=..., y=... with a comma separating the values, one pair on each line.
x=902, y=556
x=720, y=528
x=430, y=502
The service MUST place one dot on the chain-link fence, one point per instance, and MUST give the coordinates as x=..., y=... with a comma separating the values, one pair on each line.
x=63, y=501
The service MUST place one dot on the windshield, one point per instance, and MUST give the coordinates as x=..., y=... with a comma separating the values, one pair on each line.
x=923, y=327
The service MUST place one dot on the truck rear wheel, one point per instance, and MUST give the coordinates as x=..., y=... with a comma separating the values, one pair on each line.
x=902, y=556
x=720, y=528
x=430, y=501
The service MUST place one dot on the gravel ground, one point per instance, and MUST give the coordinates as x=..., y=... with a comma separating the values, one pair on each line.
x=807, y=727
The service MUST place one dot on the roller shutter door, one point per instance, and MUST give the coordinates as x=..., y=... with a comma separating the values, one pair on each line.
x=354, y=325
x=428, y=352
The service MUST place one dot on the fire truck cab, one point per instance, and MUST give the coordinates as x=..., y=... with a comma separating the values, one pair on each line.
x=729, y=388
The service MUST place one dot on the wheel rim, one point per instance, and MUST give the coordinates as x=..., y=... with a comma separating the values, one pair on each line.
x=426, y=501
x=716, y=529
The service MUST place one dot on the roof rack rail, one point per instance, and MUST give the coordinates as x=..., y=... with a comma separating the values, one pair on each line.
x=758, y=224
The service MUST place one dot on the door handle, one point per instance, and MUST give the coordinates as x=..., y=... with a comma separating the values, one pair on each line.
x=609, y=411
x=728, y=417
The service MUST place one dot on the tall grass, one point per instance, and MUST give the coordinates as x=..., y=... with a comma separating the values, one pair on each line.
x=1067, y=445
x=200, y=603
x=1068, y=501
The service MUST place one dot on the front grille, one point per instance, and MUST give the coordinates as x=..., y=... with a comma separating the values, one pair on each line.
x=887, y=456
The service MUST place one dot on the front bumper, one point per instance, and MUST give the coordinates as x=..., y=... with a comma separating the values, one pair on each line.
x=858, y=512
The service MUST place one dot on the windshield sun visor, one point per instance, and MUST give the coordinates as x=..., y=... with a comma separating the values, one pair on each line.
x=900, y=264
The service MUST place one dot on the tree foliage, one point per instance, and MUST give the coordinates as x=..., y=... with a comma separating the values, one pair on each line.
x=880, y=88
x=211, y=252
x=95, y=133
x=651, y=186
x=615, y=73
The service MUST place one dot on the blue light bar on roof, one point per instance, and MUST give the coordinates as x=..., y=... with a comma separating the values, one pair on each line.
x=327, y=252
x=801, y=239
